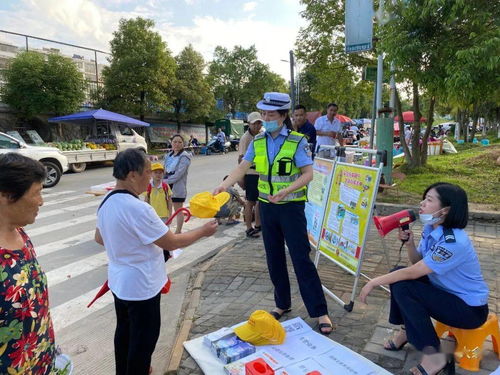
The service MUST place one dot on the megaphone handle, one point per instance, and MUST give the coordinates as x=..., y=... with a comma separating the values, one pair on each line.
x=405, y=227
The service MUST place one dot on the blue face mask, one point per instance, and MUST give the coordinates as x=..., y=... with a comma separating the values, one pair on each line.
x=271, y=126
x=429, y=218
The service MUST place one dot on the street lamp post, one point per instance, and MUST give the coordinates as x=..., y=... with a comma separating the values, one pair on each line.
x=294, y=94
x=292, y=78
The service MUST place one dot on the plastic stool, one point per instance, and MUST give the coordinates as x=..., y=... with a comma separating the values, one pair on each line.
x=470, y=341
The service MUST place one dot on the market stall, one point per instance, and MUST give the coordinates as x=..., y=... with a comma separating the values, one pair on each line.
x=104, y=134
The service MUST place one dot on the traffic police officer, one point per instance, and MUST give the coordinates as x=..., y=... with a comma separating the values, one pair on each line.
x=444, y=282
x=283, y=160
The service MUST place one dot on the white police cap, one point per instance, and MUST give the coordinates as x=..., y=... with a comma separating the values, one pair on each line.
x=274, y=101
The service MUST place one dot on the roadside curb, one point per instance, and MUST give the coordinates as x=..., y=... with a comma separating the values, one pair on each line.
x=390, y=208
x=192, y=296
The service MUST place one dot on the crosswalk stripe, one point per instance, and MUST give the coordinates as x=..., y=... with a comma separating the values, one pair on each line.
x=64, y=200
x=57, y=194
x=60, y=211
x=64, y=244
x=75, y=269
x=76, y=309
x=60, y=225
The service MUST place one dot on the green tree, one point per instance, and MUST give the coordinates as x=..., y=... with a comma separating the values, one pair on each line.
x=38, y=84
x=331, y=74
x=448, y=50
x=142, y=70
x=444, y=50
x=192, y=95
x=473, y=78
x=240, y=79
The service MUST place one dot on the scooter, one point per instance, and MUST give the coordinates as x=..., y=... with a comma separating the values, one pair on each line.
x=214, y=146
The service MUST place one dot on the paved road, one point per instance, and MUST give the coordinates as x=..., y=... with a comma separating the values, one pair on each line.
x=76, y=266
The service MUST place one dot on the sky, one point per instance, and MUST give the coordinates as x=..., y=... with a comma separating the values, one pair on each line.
x=272, y=25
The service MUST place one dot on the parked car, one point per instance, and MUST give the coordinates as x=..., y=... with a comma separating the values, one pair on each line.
x=53, y=160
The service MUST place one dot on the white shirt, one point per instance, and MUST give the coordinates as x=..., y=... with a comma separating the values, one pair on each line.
x=128, y=226
x=245, y=141
x=323, y=124
x=407, y=133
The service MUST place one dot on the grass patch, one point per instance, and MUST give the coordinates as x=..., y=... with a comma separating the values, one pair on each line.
x=473, y=168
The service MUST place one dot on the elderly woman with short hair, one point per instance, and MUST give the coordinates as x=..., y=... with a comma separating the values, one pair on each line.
x=134, y=236
x=26, y=334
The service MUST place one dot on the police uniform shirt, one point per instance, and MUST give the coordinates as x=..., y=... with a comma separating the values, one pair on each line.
x=453, y=260
x=301, y=158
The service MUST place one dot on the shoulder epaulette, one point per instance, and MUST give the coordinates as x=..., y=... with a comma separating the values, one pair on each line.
x=449, y=236
x=295, y=136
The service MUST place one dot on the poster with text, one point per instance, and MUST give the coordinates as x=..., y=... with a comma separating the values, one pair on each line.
x=317, y=194
x=348, y=212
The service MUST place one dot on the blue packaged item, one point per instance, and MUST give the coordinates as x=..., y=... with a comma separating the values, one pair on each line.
x=238, y=351
x=224, y=343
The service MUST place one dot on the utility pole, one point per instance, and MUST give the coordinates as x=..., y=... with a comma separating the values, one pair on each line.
x=292, y=80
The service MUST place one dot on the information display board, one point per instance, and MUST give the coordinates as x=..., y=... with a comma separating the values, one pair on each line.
x=345, y=203
x=317, y=194
x=348, y=214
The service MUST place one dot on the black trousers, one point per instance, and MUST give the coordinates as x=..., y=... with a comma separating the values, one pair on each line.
x=287, y=223
x=137, y=330
x=415, y=302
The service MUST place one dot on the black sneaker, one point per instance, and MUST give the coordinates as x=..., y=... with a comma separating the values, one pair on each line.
x=257, y=229
x=251, y=233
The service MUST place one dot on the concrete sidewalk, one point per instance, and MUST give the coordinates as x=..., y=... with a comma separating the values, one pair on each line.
x=236, y=283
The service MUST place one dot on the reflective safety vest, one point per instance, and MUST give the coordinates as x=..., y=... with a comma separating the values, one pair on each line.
x=282, y=172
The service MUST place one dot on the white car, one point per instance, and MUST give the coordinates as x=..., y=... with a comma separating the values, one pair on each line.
x=53, y=160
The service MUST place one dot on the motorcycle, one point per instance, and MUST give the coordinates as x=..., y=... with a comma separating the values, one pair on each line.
x=214, y=146
x=235, y=143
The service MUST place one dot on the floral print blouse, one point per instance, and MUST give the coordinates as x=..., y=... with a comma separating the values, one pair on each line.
x=26, y=334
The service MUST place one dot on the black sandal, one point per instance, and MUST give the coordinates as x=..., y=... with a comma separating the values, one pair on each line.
x=392, y=346
x=325, y=325
x=448, y=369
x=277, y=315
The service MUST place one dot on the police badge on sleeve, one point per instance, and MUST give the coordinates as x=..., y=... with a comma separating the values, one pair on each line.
x=308, y=151
x=441, y=254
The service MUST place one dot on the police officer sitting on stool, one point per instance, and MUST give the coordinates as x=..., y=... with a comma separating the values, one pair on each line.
x=283, y=160
x=444, y=282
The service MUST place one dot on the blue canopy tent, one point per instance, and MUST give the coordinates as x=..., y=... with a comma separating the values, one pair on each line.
x=90, y=117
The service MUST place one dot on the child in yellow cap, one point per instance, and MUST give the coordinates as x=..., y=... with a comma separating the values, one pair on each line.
x=158, y=194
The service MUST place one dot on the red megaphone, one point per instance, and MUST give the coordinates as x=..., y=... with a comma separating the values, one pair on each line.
x=385, y=224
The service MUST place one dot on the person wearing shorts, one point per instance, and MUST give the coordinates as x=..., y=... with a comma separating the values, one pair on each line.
x=251, y=178
x=177, y=164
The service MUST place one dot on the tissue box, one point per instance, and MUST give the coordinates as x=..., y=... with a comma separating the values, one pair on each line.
x=224, y=343
x=217, y=335
x=238, y=351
